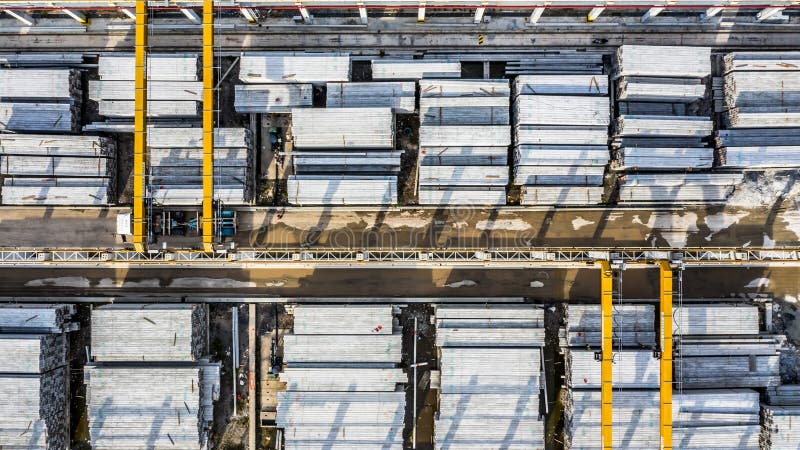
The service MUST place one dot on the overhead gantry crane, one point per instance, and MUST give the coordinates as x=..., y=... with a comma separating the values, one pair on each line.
x=607, y=271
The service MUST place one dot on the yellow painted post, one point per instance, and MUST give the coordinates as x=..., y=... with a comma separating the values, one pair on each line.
x=666, y=355
x=208, y=125
x=140, y=127
x=606, y=332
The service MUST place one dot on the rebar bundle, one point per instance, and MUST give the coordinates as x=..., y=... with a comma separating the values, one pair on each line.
x=400, y=96
x=272, y=98
x=288, y=67
x=414, y=69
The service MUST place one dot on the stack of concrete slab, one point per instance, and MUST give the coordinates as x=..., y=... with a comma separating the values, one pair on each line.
x=57, y=170
x=155, y=332
x=672, y=187
x=272, y=98
x=293, y=67
x=344, y=156
x=463, y=142
x=342, y=379
x=718, y=345
x=561, y=145
x=401, y=96
x=147, y=386
x=552, y=62
x=491, y=376
x=176, y=165
x=761, y=108
x=414, y=69
x=663, y=121
x=635, y=376
x=34, y=408
x=40, y=100
x=173, y=89
x=778, y=416
x=715, y=419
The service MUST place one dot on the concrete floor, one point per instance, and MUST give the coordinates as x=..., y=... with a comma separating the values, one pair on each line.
x=343, y=227
x=170, y=284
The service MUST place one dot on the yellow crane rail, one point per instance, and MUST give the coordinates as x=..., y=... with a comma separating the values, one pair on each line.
x=666, y=354
x=140, y=127
x=606, y=333
x=208, y=125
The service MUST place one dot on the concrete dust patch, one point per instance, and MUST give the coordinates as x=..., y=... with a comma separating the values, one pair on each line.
x=537, y=284
x=462, y=283
x=304, y=220
x=765, y=191
x=579, y=222
x=792, y=220
x=722, y=221
x=209, y=283
x=109, y=283
x=73, y=282
x=503, y=224
x=768, y=243
x=758, y=283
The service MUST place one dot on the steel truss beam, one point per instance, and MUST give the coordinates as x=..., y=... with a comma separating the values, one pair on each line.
x=489, y=258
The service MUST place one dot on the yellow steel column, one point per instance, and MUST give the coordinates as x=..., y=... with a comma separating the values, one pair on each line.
x=208, y=125
x=606, y=333
x=666, y=355
x=140, y=127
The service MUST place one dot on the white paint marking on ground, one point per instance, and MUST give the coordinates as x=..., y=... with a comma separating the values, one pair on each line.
x=462, y=283
x=537, y=284
x=503, y=224
x=74, y=282
x=758, y=283
x=792, y=220
x=722, y=221
x=206, y=283
x=109, y=283
x=579, y=222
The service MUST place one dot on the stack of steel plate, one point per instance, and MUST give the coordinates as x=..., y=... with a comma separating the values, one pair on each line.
x=342, y=379
x=176, y=165
x=679, y=187
x=57, y=170
x=40, y=100
x=398, y=95
x=719, y=345
x=715, y=419
x=635, y=375
x=463, y=142
x=761, y=108
x=157, y=332
x=33, y=377
x=343, y=156
x=661, y=93
x=288, y=67
x=491, y=368
x=172, y=88
x=561, y=138
x=272, y=98
x=150, y=405
x=147, y=386
x=414, y=69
